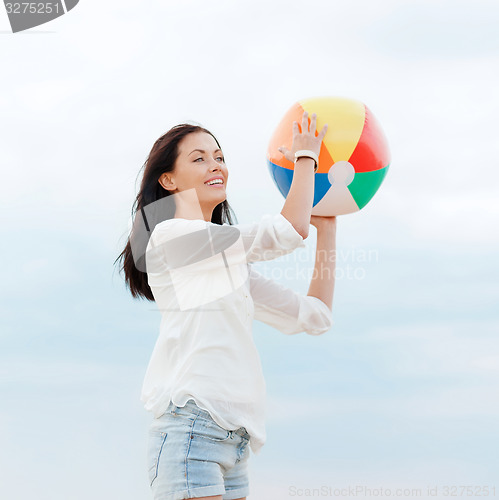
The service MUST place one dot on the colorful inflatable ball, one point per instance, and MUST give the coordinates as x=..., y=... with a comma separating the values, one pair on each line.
x=353, y=160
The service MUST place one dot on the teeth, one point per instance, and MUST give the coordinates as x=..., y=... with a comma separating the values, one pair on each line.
x=216, y=181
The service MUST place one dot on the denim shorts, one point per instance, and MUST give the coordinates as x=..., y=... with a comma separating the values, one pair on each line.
x=190, y=455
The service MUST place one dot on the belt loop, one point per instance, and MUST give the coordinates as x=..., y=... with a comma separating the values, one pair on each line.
x=173, y=408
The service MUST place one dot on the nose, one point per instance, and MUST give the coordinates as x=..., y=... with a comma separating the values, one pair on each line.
x=216, y=166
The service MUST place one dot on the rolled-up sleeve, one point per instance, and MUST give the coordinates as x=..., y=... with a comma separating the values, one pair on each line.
x=271, y=237
x=287, y=310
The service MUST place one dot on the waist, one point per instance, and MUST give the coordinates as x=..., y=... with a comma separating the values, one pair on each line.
x=191, y=409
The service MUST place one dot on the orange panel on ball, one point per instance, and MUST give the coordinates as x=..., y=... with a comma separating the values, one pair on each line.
x=283, y=136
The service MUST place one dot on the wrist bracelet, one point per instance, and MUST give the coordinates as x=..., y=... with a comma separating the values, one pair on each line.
x=307, y=154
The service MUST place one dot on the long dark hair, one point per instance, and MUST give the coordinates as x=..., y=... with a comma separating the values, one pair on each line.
x=161, y=159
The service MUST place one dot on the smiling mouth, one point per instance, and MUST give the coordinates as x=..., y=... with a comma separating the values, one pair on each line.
x=217, y=184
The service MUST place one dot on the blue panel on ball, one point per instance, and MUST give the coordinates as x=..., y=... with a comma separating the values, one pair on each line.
x=284, y=176
x=322, y=186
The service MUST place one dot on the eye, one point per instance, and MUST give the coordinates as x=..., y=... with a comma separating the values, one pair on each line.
x=220, y=158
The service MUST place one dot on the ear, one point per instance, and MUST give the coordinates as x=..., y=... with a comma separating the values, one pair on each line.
x=167, y=182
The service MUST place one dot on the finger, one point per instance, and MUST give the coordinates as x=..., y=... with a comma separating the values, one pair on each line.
x=313, y=124
x=323, y=132
x=296, y=128
x=285, y=152
x=304, y=121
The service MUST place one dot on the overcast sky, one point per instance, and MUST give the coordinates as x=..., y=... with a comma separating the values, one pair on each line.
x=403, y=391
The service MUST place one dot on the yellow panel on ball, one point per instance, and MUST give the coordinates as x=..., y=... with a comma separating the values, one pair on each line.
x=345, y=122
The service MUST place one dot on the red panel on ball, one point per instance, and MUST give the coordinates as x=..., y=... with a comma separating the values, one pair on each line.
x=372, y=151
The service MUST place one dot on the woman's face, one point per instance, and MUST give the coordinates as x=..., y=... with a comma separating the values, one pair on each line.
x=199, y=160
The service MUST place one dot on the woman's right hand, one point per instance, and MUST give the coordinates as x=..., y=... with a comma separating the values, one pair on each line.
x=306, y=139
x=323, y=221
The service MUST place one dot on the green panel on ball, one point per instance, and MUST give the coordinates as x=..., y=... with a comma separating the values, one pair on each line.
x=365, y=184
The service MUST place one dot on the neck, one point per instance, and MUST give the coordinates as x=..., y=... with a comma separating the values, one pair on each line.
x=188, y=206
x=193, y=214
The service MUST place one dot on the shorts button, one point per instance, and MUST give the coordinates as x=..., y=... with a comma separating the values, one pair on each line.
x=192, y=436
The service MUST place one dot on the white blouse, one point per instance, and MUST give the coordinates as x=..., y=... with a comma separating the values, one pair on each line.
x=208, y=294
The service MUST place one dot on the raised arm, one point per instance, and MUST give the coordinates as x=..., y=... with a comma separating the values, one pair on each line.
x=322, y=283
x=298, y=205
x=286, y=310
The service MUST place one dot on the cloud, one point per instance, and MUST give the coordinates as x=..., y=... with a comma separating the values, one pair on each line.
x=446, y=368
x=436, y=30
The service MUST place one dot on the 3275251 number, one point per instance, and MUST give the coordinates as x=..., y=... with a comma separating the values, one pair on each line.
x=469, y=491
x=32, y=7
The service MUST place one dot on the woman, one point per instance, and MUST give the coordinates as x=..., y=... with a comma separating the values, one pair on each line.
x=204, y=382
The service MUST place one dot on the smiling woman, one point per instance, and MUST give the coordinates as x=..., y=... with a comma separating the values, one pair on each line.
x=199, y=162
x=204, y=382
x=171, y=169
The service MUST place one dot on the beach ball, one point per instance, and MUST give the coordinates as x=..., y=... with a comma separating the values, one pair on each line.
x=353, y=160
